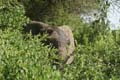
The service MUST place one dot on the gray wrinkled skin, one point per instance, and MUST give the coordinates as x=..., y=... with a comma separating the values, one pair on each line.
x=61, y=37
x=65, y=41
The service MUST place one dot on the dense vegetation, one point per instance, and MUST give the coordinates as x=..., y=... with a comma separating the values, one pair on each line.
x=23, y=57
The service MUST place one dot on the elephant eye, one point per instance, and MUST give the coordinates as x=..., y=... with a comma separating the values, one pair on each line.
x=50, y=32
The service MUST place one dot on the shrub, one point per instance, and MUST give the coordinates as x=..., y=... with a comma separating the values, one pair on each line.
x=12, y=15
x=98, y=60
x=21, y=58
x=25, y=59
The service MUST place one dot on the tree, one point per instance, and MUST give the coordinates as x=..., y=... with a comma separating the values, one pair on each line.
x=42, y=9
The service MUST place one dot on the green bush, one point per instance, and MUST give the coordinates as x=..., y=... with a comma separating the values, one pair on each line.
x=22, y=58
x=12, y=15
x=96, y=61
x=25, y=59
